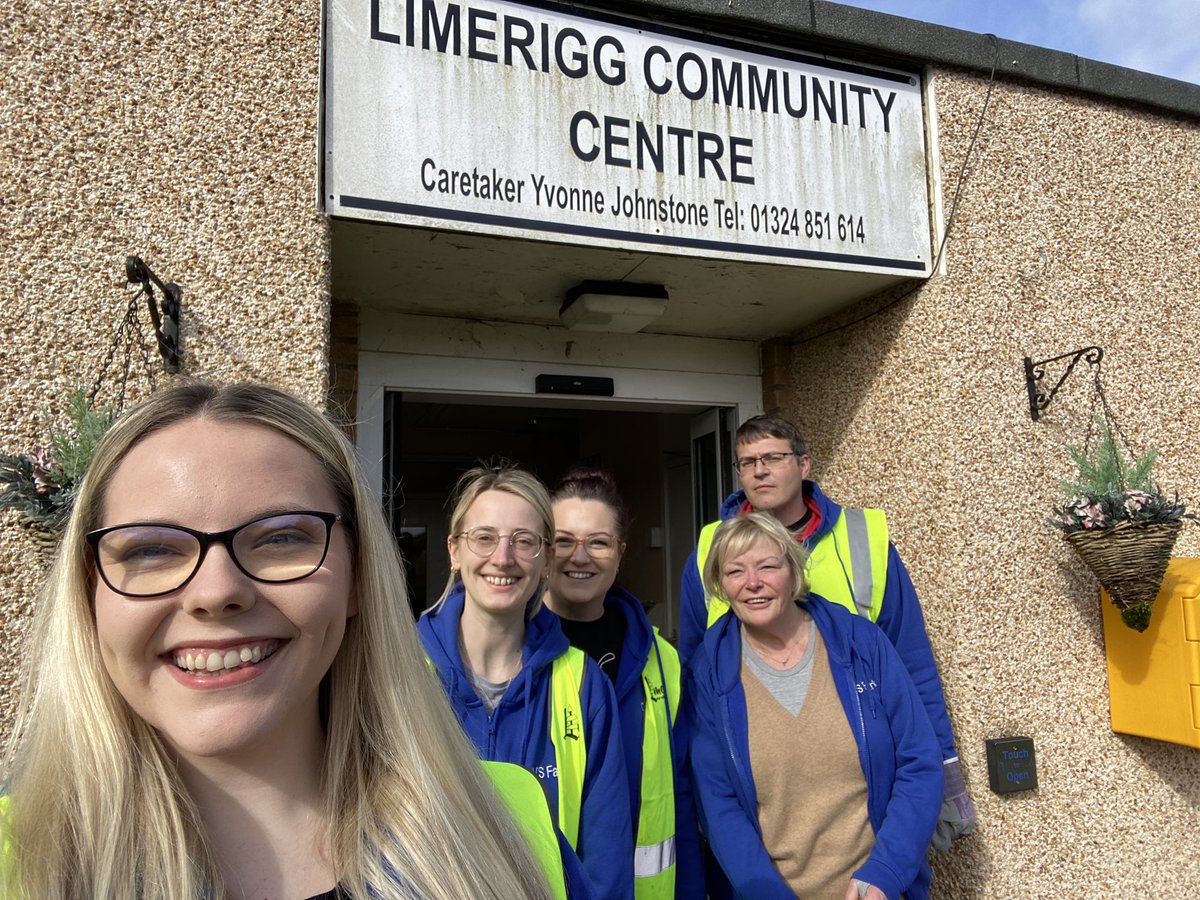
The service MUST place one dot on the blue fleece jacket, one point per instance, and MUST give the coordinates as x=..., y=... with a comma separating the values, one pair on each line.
x=631, y=699
x=900, y=614
x=897, y=749
x=518, y=731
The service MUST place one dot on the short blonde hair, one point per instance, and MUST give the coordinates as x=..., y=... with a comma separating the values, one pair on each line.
x=735, y=536
x=98, y=806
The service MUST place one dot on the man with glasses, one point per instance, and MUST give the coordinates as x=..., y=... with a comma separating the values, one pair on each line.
x=851, y=562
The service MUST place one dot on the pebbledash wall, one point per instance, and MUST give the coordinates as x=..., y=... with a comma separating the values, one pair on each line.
x=183, y=133
x=187, y=134
x=1077, y=225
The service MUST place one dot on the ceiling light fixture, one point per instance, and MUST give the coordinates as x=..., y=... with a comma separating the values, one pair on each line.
x=614, y=306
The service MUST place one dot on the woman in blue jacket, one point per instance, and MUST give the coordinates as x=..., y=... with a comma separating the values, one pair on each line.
x=815, y=766
x=520, y=691
x=609, y=624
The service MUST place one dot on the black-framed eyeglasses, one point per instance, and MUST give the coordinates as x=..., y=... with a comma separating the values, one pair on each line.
x=599, y=545
x=484, y=541
x=149, y=559
x=770, y=460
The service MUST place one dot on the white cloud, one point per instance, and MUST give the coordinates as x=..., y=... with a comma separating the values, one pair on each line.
x=1160, y=36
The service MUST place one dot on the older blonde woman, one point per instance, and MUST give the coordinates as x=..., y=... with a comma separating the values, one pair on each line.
x=224, y=695
x=816, y=769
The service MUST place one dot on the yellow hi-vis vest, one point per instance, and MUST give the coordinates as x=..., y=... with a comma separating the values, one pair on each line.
x=566, y=734
x=525, y=799
x=654, y=854
x=847, y=566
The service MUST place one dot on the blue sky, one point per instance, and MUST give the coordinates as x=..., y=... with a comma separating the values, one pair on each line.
x=1159, y=36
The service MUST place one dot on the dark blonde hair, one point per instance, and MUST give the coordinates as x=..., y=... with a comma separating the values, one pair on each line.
x=99, y=809
x=735, y=536
x=507, y=479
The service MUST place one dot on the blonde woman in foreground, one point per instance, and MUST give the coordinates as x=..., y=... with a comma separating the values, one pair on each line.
x=224, y=696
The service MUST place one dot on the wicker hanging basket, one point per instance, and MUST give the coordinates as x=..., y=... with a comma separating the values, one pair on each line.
x=44, y=538
x=1130, y=560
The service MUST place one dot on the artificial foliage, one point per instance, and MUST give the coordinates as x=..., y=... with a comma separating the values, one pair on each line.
x=43, y=485
x=1112, y=486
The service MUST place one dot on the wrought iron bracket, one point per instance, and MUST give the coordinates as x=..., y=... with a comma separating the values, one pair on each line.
x=1036, y=371
x=164, y=316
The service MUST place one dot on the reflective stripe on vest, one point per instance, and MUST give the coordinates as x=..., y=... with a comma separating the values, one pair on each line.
x=654, y=855
x=525, y=799
x=566, y=734
x=847, y=566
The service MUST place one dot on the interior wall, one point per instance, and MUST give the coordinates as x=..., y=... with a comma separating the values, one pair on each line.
x=1077, y=226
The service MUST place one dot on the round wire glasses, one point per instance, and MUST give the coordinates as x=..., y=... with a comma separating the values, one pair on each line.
x=484, y=541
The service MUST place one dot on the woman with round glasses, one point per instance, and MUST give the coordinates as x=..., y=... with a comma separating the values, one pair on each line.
x=817, y=771
x=520, y=691
x=224, y=696
x=609, y=624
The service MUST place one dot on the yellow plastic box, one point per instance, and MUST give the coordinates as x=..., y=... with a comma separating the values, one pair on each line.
x=1154, y=676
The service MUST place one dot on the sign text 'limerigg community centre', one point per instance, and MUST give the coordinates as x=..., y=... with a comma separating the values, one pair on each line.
x=531, y=121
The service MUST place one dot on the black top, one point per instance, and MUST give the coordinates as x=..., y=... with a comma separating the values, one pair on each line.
x=601, y=639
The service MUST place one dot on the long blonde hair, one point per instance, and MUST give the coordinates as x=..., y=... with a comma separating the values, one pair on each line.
x=97, y=806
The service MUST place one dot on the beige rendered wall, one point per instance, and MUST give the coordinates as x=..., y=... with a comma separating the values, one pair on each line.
x=184, y=133
x=1078, y=225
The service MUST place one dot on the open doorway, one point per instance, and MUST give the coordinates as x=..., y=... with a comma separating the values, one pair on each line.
x=429, y=442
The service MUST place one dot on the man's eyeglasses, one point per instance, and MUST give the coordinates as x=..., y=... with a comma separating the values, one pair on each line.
x=483, y=541
x=600, y=545
x=148, y=559
x=770, y=460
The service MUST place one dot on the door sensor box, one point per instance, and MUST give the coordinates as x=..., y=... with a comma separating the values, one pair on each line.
x=1012, y=765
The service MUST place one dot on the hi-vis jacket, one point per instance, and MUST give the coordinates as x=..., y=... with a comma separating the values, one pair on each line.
x=897, y=749
x=520, y=731
x=852, y=563
x=668, y=862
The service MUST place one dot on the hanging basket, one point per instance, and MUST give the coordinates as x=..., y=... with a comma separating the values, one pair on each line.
x=1130, y=560
x=44, y=537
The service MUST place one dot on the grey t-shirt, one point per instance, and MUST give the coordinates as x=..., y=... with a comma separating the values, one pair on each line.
x=788, y=686
x=489, y=692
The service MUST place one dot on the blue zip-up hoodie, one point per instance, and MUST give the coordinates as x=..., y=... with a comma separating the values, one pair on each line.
x=631, y=701
x=900, y=615
x=518, y=731
x=897, y=749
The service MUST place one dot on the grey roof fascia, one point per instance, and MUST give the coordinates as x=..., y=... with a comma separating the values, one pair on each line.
x=859, y=33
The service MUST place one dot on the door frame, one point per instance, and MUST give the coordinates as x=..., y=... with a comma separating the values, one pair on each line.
x=457, y=358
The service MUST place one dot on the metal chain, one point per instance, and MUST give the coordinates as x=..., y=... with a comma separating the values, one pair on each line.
x=128, y=329
x=1110, y=418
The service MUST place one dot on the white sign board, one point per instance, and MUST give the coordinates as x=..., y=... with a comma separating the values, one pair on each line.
x=529, y=120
